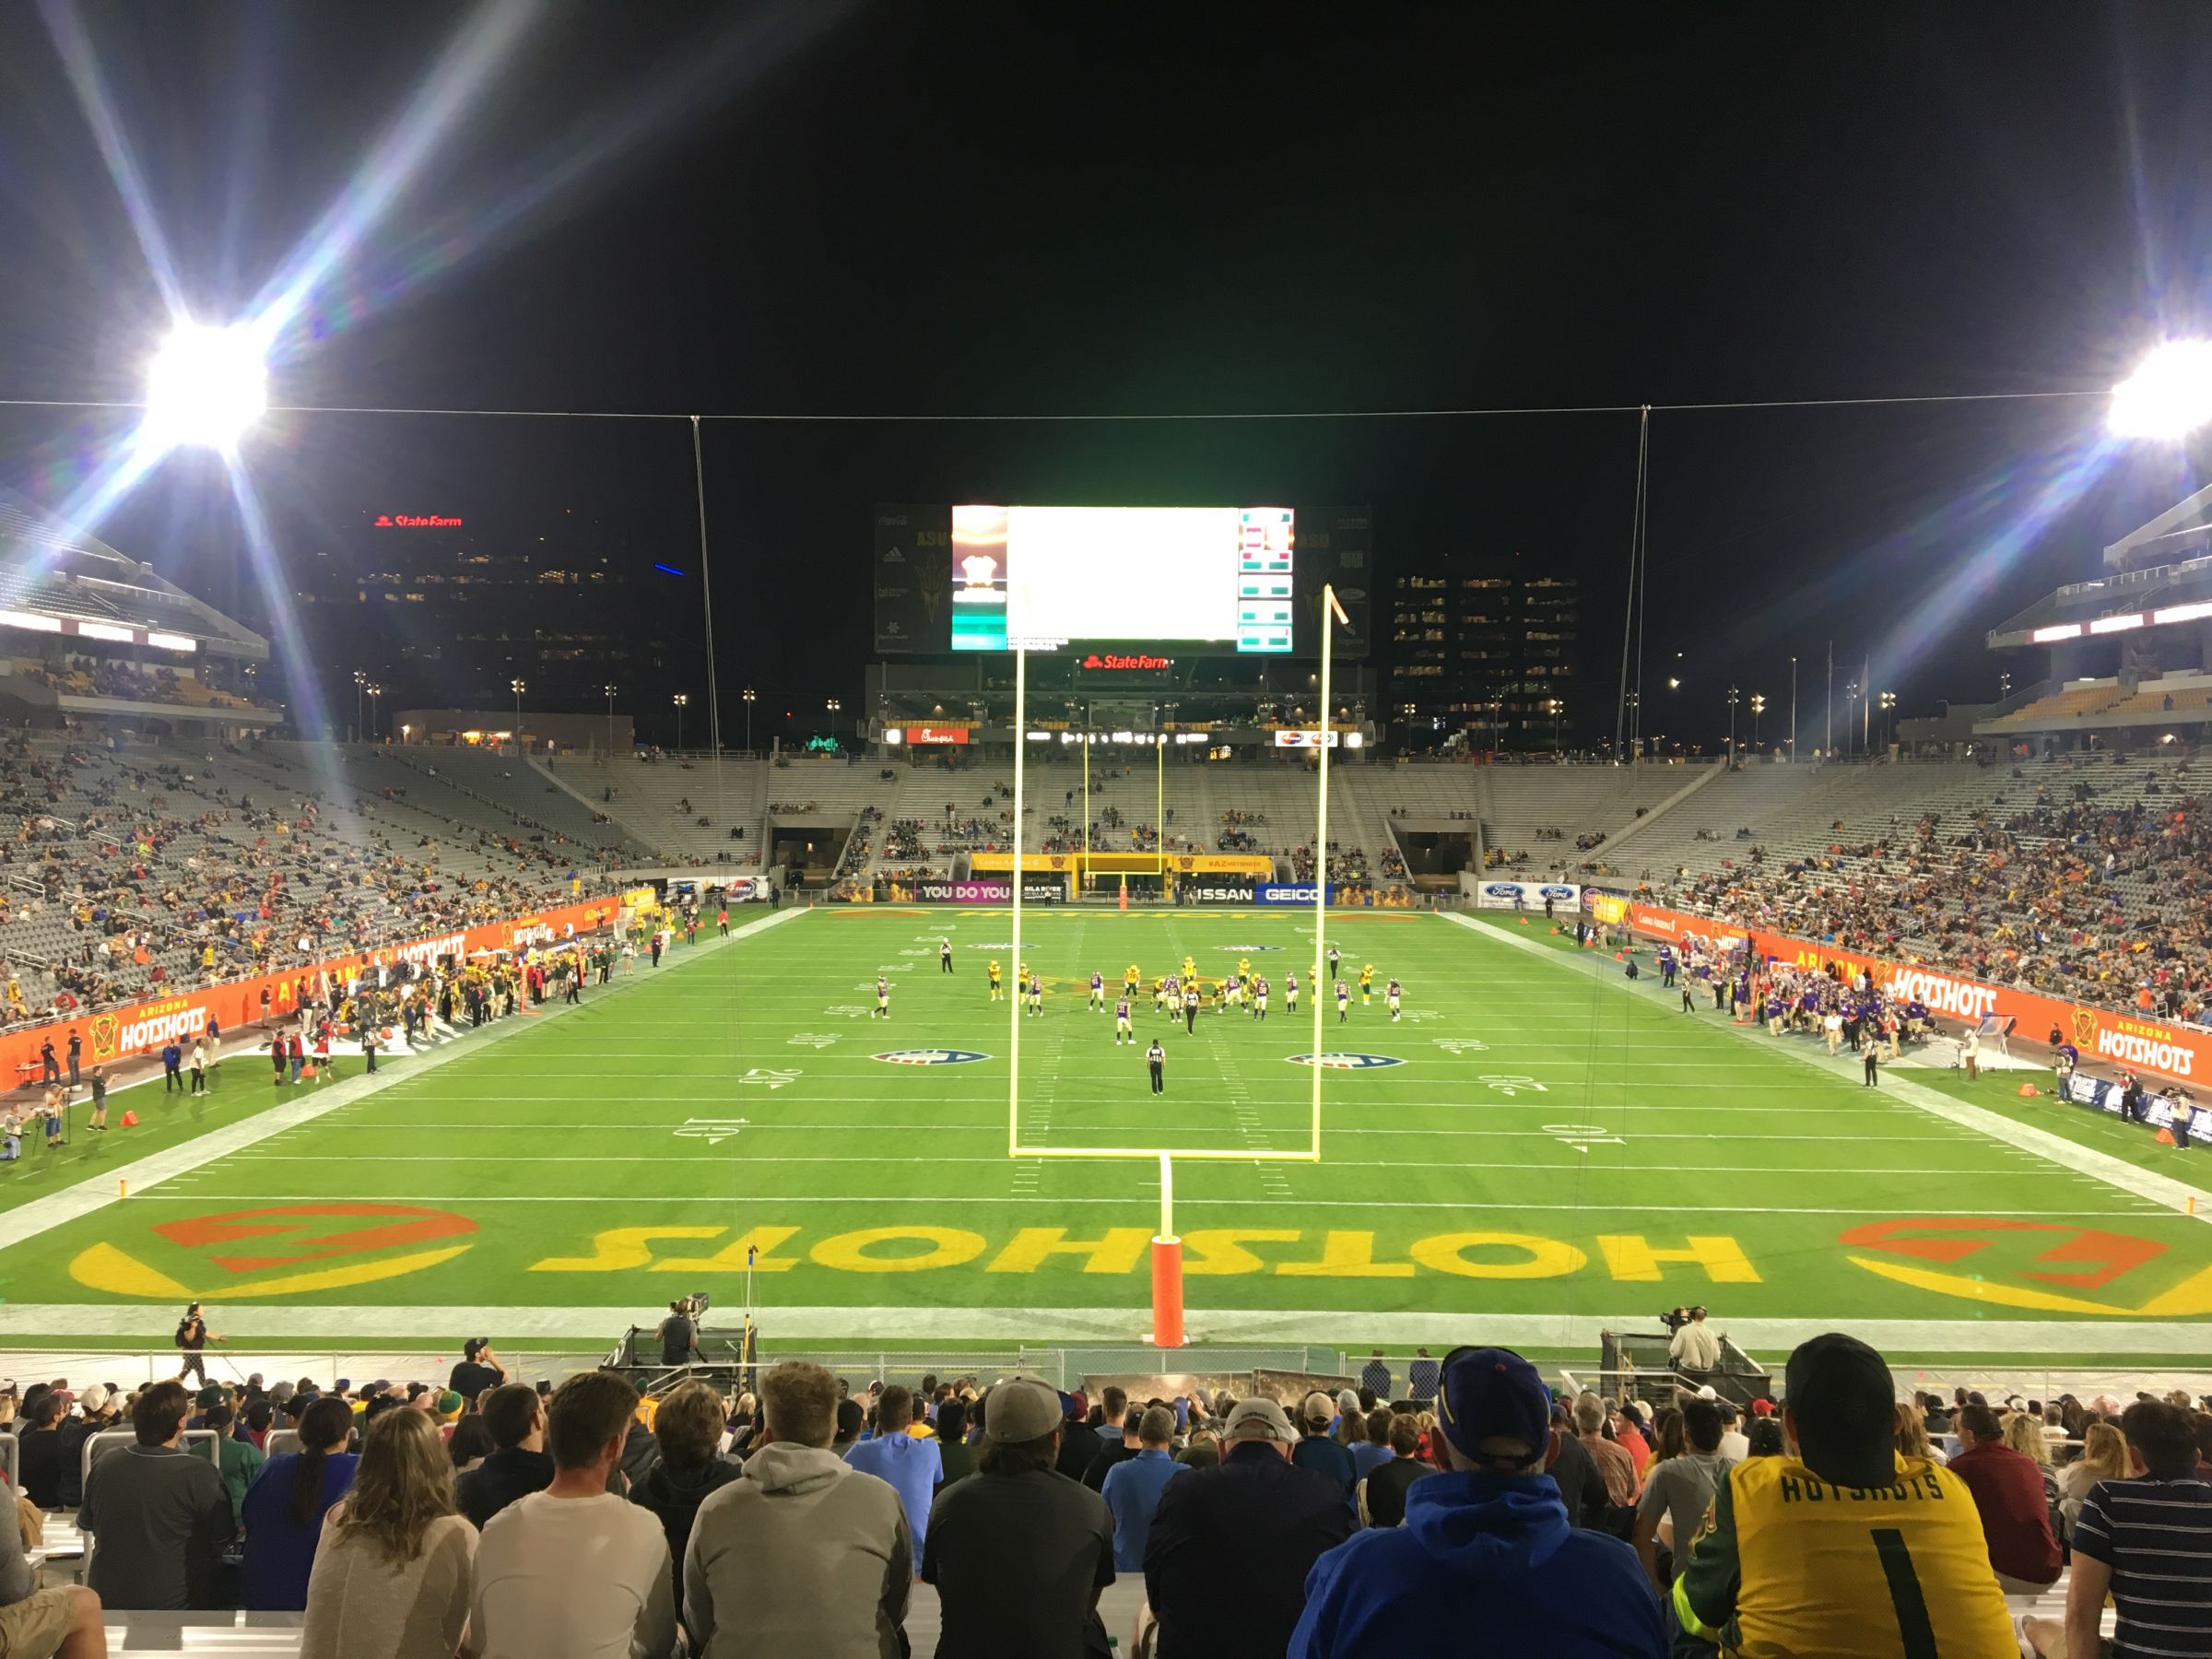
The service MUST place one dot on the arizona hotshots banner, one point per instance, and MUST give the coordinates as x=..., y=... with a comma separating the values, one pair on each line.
x=2157, y=1048
x=148, y=1027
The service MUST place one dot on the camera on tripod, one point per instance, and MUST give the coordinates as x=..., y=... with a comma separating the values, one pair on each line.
x=1675, y=1321
x=693, y=1307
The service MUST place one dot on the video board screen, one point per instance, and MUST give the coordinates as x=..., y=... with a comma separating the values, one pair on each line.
x=1034, y=578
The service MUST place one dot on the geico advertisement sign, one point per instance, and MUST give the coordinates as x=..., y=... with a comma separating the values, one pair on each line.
x=1942, y=993
x=1290, y=892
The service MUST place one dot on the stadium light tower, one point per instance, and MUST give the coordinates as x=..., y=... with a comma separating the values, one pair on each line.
x=1758, y=706
x=376, y=694
x=360, y=685
x=206, y=386
x=2169, y=396
x=1732, y=697
x=518, y=687
x=682, y=701
x=1888, y=706
x=750, y=696
x=609, y=690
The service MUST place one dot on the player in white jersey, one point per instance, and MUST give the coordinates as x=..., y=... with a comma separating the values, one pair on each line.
x=1235, y=998
x=1098, y=992
x=1291, y=992
x=1259, y=999
x=1389, y=994
x=1343, y=1001
x=1122, y=1034
x=883, y=997
x=1036, y=994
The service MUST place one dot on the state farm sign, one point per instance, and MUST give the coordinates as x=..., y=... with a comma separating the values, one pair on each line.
x=1108, y=659
x=415, y=521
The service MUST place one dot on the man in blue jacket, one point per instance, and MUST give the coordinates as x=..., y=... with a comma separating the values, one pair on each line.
x=1486, y=1561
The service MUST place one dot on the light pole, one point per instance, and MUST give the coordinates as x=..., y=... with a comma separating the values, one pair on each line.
x=1793, y=711
x=1555, y=707
x=1731, y=725
x=518, y=687
x=360, y=684
x=610, y=720
x=1851, y=702
x=376, y=694
x=682, y=701
x=1889, y=703
x=833, y=707
x=1758, y=706
x=749, y=695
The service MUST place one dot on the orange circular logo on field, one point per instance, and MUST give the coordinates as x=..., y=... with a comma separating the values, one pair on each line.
x=2043, y=1266
x=281, y=1250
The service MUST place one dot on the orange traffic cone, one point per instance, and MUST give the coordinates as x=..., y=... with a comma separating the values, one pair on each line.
x=1621, y=956
x=1524, y=921
x=2165, y=1138
x=130, y=1120
x=2028, y=1091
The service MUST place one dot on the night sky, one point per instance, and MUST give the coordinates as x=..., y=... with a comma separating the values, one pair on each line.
x=983, y=210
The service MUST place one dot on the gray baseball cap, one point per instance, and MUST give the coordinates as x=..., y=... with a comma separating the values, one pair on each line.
x=1258, y=1419
x=1020, y=1408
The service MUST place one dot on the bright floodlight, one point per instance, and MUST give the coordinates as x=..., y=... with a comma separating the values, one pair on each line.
x=207, y=386
x=2169, y=396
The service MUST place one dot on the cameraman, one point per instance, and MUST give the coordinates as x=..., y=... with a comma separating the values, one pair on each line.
x=1695, y=1350
x=680, y=1337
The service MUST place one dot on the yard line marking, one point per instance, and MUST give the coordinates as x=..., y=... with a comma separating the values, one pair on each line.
x=96, y=1193
x=1657, y=1208
x=2116, y=1172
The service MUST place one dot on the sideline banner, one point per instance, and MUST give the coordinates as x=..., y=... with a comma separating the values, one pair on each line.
x=1215, y=889
x=1526, y=895
x=1287, y=892
x=144, y=1028
x=1034, y=890
x=2153, y=1047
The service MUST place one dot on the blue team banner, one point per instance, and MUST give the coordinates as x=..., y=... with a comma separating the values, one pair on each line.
x=1290, y=892
x=2100, y=1096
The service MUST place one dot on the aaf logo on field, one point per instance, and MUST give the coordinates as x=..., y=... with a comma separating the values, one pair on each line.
x=1347, y=1061
x=929, y=1057
x=1237, y=947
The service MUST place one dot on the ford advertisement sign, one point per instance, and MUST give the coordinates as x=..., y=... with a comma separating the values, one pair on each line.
x=1527, y=895
x=1290, y=892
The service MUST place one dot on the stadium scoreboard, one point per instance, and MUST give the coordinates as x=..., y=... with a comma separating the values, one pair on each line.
x=1228, y=581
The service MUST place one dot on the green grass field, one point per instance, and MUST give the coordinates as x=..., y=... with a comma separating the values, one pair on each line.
x=1540, y=1145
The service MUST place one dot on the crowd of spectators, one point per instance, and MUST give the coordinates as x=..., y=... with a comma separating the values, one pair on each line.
x=2076, y=898
x=105, y=676
x=123, y=878
x=1477, y=1512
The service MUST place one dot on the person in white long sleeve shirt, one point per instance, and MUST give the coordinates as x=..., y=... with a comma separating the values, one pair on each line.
x=576, y=1571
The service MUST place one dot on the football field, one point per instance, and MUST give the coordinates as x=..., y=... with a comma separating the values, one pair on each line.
x=1537, y=1149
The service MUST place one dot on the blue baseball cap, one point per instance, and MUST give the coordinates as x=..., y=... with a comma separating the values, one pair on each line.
x=1493, y=1393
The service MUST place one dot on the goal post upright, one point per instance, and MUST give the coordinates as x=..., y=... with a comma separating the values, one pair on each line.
x=1330, y=610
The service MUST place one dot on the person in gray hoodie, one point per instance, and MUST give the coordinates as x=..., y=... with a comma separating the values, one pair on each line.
x=806, y=1554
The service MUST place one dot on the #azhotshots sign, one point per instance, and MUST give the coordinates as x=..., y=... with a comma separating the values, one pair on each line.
x=1035, y=889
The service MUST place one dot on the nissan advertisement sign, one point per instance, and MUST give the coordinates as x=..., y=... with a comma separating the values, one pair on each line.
x=1218, y=890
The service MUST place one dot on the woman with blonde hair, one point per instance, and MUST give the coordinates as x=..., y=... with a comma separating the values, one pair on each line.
x=2103, y=1457
x=1913, y=1434
x=2024, y=1434
x=392, y=1575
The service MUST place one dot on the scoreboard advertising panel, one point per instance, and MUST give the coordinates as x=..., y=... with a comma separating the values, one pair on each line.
x=1222, y=580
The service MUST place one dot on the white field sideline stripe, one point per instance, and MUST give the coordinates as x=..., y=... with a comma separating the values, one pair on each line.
x=858, y=1328
x=87, y=1197
x=953, y=1200
x=2131, y=1179
x=1553, y=1097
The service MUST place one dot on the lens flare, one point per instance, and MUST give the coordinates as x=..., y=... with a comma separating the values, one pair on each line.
x=206, y=386
x=2169, y=396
